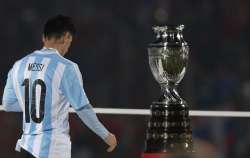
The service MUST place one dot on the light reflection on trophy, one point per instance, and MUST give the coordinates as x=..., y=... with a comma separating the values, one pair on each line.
x=169, y=129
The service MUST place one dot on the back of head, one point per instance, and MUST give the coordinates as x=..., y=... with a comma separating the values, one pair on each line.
x=57, y=26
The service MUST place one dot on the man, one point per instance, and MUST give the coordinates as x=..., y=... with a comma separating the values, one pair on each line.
x=43, y=85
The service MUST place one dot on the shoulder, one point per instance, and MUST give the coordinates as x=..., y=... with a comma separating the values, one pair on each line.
x=73, y=69
x=21, y=60
x=26, y=57
x=68, y=63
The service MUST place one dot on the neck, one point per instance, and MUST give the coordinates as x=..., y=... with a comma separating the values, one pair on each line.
x=54, y=46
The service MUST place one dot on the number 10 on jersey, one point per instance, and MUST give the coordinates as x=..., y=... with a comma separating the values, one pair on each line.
x=32, y=111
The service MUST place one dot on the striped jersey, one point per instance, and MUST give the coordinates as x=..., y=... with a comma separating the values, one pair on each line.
x=43, y=85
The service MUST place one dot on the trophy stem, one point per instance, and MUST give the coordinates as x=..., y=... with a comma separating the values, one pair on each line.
x=169, y=94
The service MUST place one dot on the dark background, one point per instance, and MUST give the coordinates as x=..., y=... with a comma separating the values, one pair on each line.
x=111, y=51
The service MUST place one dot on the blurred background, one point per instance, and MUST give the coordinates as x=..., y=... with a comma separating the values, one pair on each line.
x=111, y=50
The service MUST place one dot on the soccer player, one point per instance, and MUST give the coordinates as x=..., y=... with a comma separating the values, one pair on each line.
x=43, y=85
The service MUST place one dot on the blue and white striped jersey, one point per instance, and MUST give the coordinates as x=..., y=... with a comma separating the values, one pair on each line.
x=43, y=85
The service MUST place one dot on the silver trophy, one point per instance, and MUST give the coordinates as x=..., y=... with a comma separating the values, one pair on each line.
x=169, y=129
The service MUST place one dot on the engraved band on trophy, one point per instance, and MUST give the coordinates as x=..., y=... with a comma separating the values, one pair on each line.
x=169, y=129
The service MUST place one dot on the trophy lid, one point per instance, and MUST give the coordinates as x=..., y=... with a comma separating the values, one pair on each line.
x=169, y=35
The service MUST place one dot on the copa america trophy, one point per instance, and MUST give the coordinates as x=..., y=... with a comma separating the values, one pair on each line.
x=169, y=130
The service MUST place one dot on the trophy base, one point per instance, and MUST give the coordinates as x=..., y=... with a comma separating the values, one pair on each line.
x=169, y=129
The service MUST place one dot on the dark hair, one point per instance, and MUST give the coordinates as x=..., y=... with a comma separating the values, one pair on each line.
x=57, y=26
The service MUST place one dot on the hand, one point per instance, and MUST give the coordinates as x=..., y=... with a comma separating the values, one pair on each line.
x=111, y=141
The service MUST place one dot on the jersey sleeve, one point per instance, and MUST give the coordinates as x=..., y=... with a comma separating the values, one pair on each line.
x=88, y=116
x=10, y=102
x=72, y=87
